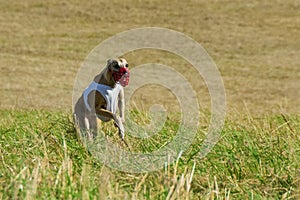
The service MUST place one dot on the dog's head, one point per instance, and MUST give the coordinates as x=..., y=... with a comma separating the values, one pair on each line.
x=120, y=70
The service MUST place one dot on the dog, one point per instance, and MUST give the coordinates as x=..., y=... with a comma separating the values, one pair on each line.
x=102, y=98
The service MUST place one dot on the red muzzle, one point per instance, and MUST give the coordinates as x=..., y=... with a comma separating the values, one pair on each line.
x=122, y=76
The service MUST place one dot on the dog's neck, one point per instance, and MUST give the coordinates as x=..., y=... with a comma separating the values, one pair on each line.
x=105, y=78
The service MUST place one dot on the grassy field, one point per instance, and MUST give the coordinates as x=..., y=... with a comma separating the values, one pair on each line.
x=256, y=46
x=256, y=158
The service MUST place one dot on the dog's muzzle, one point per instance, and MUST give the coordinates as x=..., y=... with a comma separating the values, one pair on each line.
x=122, y=76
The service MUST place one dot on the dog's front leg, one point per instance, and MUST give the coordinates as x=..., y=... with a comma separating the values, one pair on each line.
x=121, y=105
x=117, y=120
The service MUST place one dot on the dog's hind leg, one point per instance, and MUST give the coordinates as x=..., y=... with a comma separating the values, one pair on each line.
x=76, y=125
x=91, y=126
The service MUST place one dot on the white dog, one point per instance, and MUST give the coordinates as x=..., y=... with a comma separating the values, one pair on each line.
x=102, y=98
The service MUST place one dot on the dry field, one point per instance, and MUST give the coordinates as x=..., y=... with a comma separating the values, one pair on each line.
x=255, y=44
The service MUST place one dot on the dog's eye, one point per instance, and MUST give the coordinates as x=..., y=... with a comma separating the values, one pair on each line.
x=126, y=65
x=116, y=65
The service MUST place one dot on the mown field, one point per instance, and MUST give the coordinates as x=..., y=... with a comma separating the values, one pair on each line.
x=255, y=45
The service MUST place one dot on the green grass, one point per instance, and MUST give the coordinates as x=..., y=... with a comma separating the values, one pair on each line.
x=41, y=158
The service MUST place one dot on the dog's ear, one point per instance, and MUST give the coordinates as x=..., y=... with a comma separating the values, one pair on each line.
x=109, y=61
x=113, y=64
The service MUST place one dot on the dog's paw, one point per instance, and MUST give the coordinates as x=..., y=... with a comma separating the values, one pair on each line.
x=121, y=133
x=118, y=123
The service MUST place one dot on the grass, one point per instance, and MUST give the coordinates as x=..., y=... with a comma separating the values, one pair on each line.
x=41, y=158
x=255, y=45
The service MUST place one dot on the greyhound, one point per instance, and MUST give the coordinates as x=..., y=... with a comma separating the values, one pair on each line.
x=102, y=98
